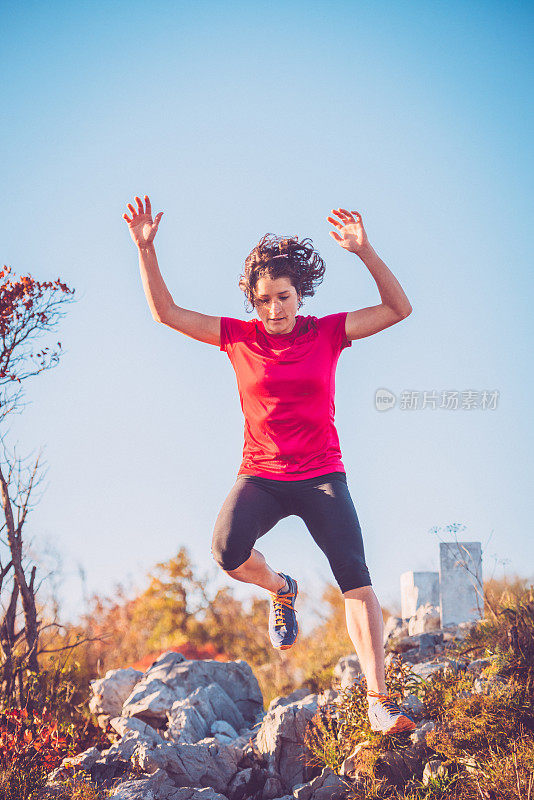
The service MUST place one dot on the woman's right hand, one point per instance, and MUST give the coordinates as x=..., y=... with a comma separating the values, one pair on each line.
x=142, y=228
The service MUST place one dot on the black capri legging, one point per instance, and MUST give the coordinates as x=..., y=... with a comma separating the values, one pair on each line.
x=255, y=505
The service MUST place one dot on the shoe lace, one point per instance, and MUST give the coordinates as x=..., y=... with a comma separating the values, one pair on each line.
x=391, y=705
x=281, y=601
x=388, y=703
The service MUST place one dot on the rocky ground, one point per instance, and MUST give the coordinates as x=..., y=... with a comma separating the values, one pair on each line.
x=196, y=730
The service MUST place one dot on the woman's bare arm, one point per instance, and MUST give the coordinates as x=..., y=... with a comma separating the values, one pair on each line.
x=395, y=306
x=202, y=327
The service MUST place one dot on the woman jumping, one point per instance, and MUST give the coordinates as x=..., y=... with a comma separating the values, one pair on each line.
x=285, y=367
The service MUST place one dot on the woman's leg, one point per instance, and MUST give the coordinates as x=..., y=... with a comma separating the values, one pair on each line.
x=256, y=570
x=249, y=511
x=329, y=514
x=365, y=627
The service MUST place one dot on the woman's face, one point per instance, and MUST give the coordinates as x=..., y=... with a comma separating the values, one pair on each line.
x=276, y=302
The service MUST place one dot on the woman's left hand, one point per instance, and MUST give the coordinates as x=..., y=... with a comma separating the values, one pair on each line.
x=353, y=236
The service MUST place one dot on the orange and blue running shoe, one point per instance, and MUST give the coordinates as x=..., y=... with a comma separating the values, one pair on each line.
x=283, y=625
x=386, y=716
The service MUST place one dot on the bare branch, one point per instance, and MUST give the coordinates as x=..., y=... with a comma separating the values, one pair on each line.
x=76, y=644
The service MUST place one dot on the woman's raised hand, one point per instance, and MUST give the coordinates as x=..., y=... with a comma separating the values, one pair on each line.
x=353, y=236
x=142, y=227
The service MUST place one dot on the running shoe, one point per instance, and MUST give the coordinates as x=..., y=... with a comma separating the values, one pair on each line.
x=386, y=716
x=283, y=625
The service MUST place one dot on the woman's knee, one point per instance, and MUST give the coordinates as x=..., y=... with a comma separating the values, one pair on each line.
x=359, y=593
x=227, y=556
x=352, y=573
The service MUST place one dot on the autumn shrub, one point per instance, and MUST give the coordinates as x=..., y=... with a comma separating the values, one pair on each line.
x=31, y=746
x=50, y=727
x=507, y=634
x=484, y=734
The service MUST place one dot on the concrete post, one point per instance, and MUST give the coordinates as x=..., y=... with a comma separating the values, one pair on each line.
x=418, y=588
x=460, y=570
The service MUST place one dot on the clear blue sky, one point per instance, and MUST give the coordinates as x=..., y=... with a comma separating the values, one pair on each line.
x=238, y=119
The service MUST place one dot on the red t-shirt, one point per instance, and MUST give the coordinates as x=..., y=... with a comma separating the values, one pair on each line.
x=286, y=385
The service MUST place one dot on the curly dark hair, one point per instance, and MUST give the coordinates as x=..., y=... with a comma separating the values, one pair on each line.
x=277, y=257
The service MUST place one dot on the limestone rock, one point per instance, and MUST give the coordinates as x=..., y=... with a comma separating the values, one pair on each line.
x=281, y=739
x=161, y=789
x=235, y=677
x=222, y=727
x=394, y=628
x=272, y=788
x=83, y=760
x=349, y=766
x=206, y=763
x=124, y=724
x=150, y=701
x=428, y=668
x=399, y=766
x=426, y=619
x=418, y=736
x=413, y=706
x=248, y=783
x=164, y=664
x=110, y=692
x=326, y=786
x=346, y=671
x=130, y=743
x=328, y=697
x=213, y=703
x=156, y=787
x=476, y=666
x=433, y=769
x=186, y=725
x=496, y=684
x=298, y=694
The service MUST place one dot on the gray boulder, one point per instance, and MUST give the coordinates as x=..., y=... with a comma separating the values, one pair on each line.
x=272, y=788
x=129, y=744
x=346, y=671
x=329, y=697
x=427, y=668
x=394, y=627
x=220, y=726
x=186, y=725
x=433, y=769
x=297, y=694
x=326, y=786
x=150, y=701
x=418, y=736
x=205, y=763
x=399, y=766
x=156, y=787
x=281, y=739
x=184, y=677
x=413, y=706
x=124, y=724
x=476, y=666
x=425, y=620
x=163, y=665
x=159, y=787
x=110, y=692
x=213, y=703
x=247, y=783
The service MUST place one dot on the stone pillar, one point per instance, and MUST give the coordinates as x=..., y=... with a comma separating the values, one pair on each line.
x=418, y=588
x=460, y=570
